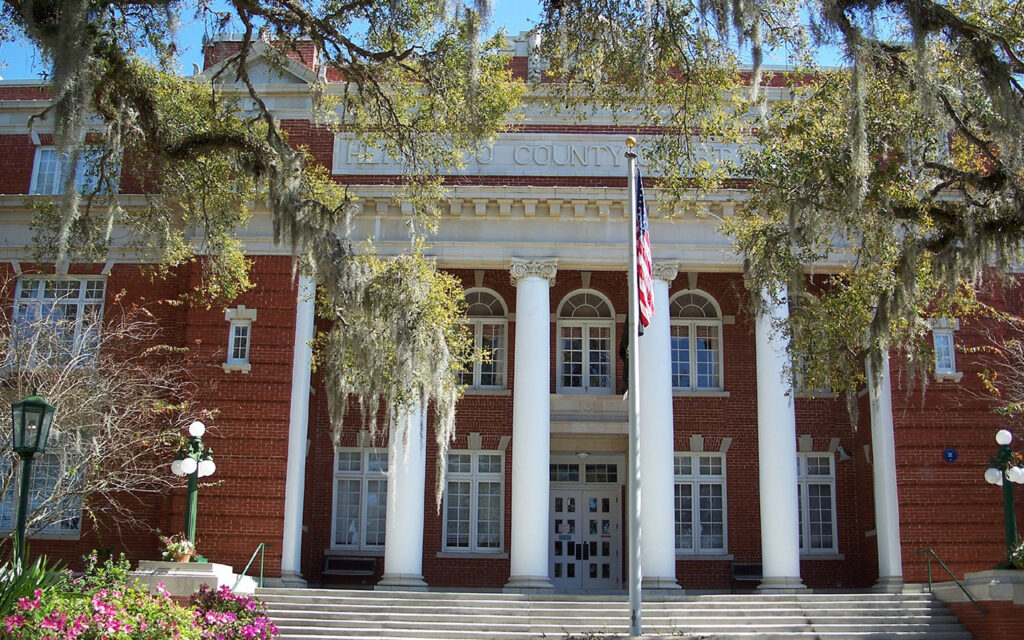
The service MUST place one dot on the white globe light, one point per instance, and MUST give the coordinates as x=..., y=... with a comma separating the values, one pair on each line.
x=206, y=468
x=176, y=468
x=188, y=465
x=196, y=429
x=1015, y=474
x=1003, y=437
x=993, y=476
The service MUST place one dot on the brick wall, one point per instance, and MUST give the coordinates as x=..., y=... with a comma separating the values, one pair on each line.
x=1002, y=619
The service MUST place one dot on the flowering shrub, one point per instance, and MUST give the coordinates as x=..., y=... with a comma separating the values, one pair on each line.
x=102, y=615
x=104, y=571
x=223, y=615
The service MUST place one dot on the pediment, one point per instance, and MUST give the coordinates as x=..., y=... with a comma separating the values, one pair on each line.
x=267, y=70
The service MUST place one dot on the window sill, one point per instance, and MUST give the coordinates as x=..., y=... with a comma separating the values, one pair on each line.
x=822, y=556
x=470, y=391
x=473, y=555
x=56, y=537
x=704, y=557
x=700, y=394
x=341, y=551
x=949, y=377
x=244, y=368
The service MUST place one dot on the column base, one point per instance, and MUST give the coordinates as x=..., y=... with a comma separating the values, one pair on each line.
x=401, y=582
x=292, y=580
x=660, y=583
x=528, y=584
x=781, y=584
x=889, y=584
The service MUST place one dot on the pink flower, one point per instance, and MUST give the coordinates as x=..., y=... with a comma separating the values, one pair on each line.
x=14, y=622
x=55, y=621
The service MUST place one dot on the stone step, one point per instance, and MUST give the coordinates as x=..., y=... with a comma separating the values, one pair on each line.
x=710, y=609
x=675, y=619
x=555, y=626
x=496, y=595
x=748, y=635
x=361, y=615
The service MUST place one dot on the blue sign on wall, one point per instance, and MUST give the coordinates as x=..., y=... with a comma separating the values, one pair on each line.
x=949, y=455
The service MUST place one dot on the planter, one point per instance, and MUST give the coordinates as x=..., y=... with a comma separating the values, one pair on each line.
x=183, y=557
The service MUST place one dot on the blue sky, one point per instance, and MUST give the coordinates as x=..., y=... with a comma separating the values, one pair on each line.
x=19, y=61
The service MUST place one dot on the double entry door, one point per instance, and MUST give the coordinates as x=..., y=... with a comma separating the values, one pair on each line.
x=586, y=538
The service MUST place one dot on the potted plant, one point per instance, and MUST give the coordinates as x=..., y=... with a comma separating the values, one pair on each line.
x=1017, y=555
x=178, y=548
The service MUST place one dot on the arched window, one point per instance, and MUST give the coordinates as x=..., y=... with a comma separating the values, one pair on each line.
x=488, y=323
x=586, y=328
x=696, y=342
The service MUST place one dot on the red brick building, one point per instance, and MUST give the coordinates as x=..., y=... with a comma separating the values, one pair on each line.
x=738, y=467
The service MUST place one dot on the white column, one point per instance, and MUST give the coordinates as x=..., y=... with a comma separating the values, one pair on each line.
x=531, y=426
x=776, y=452
x=407, y=468
x=298, y=421
x=657, y=519
x=883, y=472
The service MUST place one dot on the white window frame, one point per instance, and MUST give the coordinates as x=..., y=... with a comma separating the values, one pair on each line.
x=942, y=329
x=476, y=325
x=692, y=324
x=695, y=479
x=38, y=299
x=82, y=179
x=475, y=477
x=237, y=318
x=364, y=475
x=67, y=528
x=803, y=483
x=586, y=325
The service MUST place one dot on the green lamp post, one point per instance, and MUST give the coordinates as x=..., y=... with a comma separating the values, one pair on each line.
x=31, y=419
x=1003, y=469
x=195, y=460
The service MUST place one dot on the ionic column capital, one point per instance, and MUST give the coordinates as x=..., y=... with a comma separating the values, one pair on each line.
x=540, y=268
x=666, y=271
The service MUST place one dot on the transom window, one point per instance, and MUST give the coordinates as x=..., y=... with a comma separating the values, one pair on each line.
x=360, y=498
x=816, y=486
x=489, y=326
x=67, y=310
x=586, y=328
x=696, y=342
x=700, y=502
x=474, y=501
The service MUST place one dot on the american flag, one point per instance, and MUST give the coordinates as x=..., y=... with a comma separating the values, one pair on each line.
x=644, y=284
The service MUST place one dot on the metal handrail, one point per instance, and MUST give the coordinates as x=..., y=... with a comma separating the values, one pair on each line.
x=929, y=554
x=260, y=549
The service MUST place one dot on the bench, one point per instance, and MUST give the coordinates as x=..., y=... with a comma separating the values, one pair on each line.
x=745, y=572
x=350, y=566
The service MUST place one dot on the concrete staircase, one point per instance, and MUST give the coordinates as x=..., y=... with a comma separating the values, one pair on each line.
x=312, y=614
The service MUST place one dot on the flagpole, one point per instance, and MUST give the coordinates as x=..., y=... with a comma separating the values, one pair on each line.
x=633, y=513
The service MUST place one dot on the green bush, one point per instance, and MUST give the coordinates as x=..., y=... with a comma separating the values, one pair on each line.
x=41, y=576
